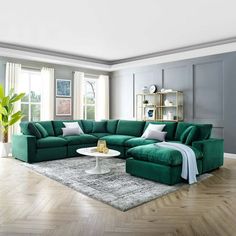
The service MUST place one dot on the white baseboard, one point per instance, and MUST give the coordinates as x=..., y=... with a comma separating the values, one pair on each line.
x=230, y=155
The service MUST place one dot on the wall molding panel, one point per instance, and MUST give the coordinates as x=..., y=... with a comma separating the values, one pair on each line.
x=208, y=84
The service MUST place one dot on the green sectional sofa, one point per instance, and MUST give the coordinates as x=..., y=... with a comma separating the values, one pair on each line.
x=143, y=158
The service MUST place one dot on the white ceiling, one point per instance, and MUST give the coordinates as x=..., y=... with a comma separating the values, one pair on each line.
x=115, y=29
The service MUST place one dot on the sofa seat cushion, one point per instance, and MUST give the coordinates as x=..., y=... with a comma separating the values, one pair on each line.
x=81, y=139
x=162, y=156
x=50, y=142
x=133, y=142
x=116, y=139
x=100, y=135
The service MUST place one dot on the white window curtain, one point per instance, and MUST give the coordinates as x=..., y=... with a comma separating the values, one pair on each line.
x=12, y=80
x=78, y=95
x=47, y=94
x=102, y=98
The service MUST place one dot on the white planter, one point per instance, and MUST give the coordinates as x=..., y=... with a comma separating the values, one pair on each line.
x=5, y=149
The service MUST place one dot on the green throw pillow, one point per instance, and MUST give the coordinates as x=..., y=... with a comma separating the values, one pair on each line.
x=191, y=136
x=184, y=135
x=99, y=127
x=34, y=131
x=42, y=130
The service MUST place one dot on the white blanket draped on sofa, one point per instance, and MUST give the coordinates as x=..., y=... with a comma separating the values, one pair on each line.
x=189, y=163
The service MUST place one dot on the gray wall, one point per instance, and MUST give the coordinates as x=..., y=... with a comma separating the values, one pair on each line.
x=61, y=72
x=208, y=84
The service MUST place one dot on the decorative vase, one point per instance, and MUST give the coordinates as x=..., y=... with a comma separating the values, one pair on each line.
x=145, y=89
x=5, y=149
x=101, y=146
x=166, y=102
x=165, y=117
x=169, y=115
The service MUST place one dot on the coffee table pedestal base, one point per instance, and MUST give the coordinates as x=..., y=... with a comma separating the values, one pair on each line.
x=98, y=170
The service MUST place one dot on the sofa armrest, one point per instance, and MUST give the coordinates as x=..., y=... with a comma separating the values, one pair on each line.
x=24, y=147
x=213, y=153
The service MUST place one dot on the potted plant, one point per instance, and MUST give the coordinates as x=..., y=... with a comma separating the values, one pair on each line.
x=8, y=116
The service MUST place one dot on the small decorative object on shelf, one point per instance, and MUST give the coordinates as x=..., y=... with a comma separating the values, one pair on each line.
x=166, y=105
x=165, y=117
x=170, y=115
x=153, y=88
x=150, y=113
x=145, y=89
x=166, y=90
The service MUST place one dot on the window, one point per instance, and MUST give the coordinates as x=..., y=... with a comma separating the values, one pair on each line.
x=89, y=98
x=31, y=103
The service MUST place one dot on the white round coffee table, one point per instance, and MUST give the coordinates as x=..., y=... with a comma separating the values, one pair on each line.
x=91, y=151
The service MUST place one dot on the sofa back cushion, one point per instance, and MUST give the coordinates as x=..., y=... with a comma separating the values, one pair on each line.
x=112, y=126
x=87, y=126
x=203, y=130
x=130, y=127
x=100, y=126
x=47, y=125
x=24, y=128
x=170, y=128
x=58, y=125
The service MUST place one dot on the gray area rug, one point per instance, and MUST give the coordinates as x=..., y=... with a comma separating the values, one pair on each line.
x=116, y=188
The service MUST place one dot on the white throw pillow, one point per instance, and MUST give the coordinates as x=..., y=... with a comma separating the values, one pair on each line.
x=71, y=131
x=73, y=125
x=158, y=135
x=157, y=127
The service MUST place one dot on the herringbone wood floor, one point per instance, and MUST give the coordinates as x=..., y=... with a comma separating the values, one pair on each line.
x=31, y=204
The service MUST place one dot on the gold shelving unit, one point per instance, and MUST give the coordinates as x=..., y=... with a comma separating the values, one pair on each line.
x=153, y=107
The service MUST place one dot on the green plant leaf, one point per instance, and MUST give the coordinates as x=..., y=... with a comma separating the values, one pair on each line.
x=17, y=98
x=15, y=119
x=13, y=96
x=4, y=123
x=10, y=109
x=19, y=113
x=1, y=91
x=11, y=92
x=5, y=101
x=3, y=111
x=6, y=108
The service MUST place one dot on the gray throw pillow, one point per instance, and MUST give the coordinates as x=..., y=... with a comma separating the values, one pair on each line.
x=73, y=125
x=157, y=127
x=71, y=131
x=155, y=134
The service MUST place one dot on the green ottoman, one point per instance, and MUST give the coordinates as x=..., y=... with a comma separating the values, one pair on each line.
x=163, y=165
